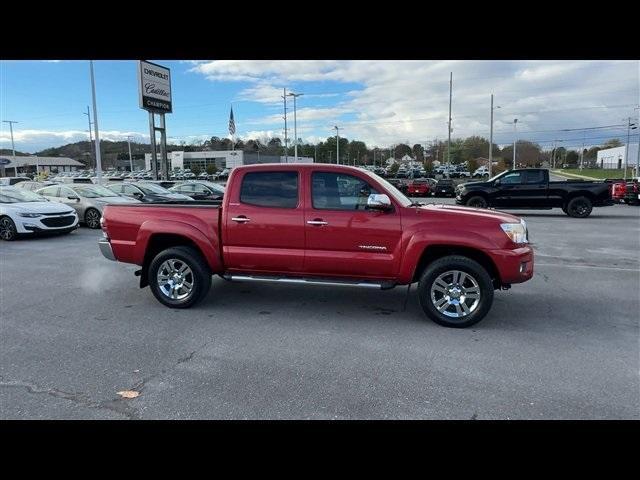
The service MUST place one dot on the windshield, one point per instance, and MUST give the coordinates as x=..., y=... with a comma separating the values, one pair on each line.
x=15, y=195
x=93, y=191
x=498, y=176
x=395, y=193
x=150, y=188
x=215, y=187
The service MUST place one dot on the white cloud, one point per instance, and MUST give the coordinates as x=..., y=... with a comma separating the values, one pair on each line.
x=400, y=100
x=34, y=140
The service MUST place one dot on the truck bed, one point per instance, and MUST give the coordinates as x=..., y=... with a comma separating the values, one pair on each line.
x=137, y=223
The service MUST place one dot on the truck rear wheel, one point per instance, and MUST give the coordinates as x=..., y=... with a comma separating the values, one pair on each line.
x=579, y=207
x=455, y=291
x=179, y=277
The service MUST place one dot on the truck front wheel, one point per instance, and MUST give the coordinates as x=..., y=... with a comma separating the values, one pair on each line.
x=455, y=291
x=179, y=277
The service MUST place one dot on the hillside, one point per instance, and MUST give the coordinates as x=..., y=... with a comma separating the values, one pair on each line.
x=8, y=151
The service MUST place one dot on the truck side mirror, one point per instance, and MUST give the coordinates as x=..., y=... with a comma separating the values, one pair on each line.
x=378, y=201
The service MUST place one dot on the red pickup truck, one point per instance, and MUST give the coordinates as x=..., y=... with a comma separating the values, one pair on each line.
x=327, y=225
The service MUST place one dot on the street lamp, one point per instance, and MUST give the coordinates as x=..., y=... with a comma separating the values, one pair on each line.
x=491, y=137
x=295, y=123
x=630, y=126
x=337, y=144
x=515, y=138
x=130, y=159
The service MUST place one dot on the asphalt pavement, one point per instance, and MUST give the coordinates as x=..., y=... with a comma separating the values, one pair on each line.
x=75, y=329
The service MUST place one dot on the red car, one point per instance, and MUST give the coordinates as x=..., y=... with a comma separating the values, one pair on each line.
x=418, y=188
x=618, y=189
x=320, y=224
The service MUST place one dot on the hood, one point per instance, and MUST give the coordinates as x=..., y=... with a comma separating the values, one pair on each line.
x=38, y=207
x=160, y=197
x=474, y=213
x=475, y=184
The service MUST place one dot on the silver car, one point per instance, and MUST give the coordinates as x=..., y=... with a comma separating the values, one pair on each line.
x=87, y=200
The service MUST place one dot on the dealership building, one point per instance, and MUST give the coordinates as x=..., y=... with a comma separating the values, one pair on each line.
x=15, y=166
x=220, y=158
x=613, y=158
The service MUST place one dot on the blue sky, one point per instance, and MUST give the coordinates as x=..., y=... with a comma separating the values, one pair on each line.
x=380, y=102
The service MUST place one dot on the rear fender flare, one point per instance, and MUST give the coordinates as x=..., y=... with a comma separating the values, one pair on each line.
x=209, y=247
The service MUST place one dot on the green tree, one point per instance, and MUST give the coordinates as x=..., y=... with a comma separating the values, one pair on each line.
x=401, y=150
x=614, y=142
x=393, y=169
x=475, y=147
x=211, y=169
x=418, y=152
x=196, y=170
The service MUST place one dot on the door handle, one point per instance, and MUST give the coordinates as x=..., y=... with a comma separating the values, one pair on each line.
x=317, y=222
x=241, y=219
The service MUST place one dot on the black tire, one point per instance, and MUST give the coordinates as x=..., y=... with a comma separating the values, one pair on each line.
x=579, y=207
x=92, y=218
x=8, y=230
x=199, y=276
x=477, y=202
x=481, y=281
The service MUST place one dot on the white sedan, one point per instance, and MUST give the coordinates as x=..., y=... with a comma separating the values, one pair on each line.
x=26, y=213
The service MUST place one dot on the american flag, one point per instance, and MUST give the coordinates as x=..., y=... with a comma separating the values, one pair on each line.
x=232, y=124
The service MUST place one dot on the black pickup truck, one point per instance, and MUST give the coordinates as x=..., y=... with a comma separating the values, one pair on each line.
x=531, y=189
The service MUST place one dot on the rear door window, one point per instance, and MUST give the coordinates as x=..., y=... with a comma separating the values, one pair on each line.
x=535, y=176
x=270, y=189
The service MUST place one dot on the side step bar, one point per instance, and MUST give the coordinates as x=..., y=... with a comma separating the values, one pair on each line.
x=310, y=281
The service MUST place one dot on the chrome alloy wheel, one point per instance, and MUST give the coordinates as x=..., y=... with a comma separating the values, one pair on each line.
x=92, y=218
x=455, y=294
x=7, y=230
x=175, y=279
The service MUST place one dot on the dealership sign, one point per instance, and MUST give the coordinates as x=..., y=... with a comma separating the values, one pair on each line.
x=154, y=87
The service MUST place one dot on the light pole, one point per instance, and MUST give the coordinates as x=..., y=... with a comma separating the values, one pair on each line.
x=337, y=144
x=286, y=144
x=88, y=114
x=515, y=139
x=130, y=159
x=295, y=124
x=491, y=138
x=449, y=128
x=630, y=126
x=11, y=122
x=95, y=124
x=315, y=155
x=13, y=146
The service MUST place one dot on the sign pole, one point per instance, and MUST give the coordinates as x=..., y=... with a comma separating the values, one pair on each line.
x=154, y=93
x=154, y=156
x=163, y=149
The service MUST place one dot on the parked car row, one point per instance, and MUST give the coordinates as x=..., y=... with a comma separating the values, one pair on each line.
x=26, y=213
x=30, y=207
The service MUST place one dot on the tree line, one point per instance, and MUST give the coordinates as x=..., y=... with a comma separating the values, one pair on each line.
x=353, y=152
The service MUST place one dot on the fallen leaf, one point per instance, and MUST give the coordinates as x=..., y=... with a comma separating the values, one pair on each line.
x=129, y=394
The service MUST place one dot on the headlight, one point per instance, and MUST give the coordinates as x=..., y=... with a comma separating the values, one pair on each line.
x=30, y=215
x=517, y=232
